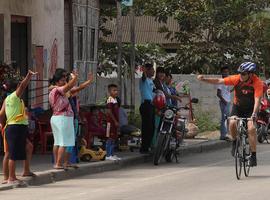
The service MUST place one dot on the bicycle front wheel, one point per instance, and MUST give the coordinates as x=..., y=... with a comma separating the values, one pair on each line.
x=246, y=156
x=238, y=160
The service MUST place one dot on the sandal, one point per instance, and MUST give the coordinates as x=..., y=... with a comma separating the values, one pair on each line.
x=31, y=174
x=72, y=166
x=58, y=167
x=16, y=182
x=4, y=182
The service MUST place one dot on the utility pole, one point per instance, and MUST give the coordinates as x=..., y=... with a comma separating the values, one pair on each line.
x=119, y=45
x=132, y=57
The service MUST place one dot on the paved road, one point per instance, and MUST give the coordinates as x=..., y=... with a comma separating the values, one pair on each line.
x=203, y=176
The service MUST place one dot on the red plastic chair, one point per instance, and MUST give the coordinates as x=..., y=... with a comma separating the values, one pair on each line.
x=45, y=132
x=90, y=134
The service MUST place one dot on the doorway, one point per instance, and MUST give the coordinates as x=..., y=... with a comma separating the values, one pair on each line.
x=19, y=46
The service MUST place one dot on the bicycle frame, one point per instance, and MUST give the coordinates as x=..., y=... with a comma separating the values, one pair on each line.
x=242, y=150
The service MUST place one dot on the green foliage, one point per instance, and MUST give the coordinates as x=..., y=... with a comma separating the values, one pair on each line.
x=213, y=32
x=135, y=118
x=205, y=121
x=7, y=72
x=143, y=53
x=107, y=12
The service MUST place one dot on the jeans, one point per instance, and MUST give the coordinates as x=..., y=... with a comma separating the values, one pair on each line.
x=109, y=147
x=225, y=111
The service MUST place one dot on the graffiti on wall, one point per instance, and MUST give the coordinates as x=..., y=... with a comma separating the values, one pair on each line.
x=39, y=69
x=53, y=58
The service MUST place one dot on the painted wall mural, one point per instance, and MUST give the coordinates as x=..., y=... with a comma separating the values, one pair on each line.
x=53, y=58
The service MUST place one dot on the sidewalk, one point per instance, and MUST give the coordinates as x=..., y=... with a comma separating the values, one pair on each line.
x=42, y=165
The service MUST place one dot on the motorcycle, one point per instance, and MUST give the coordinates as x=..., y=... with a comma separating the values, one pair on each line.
x=130, y=138
x=172, y=131
x=263, y=129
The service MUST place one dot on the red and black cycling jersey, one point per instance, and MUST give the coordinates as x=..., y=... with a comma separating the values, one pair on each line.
x=245, y=92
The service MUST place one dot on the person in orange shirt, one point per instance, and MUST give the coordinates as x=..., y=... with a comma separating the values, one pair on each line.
x=248, y=90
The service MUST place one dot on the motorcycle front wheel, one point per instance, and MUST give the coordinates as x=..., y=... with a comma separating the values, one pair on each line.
x=260, y=133
x=159, y=148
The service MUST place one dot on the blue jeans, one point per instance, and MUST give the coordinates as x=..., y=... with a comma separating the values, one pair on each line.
x=225, y=111
x=109, y=147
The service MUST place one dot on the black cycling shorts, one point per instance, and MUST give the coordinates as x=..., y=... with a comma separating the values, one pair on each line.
x=241, y=112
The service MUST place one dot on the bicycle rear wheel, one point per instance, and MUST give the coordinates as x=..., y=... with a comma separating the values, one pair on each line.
x=238, y=160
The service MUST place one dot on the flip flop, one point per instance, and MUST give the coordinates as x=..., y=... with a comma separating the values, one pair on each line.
x=31, y=174
x=73, y=166
x=58, y=167
x=16, y=182
x=4, y=182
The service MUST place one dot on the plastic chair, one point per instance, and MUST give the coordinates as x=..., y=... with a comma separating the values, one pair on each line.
x=45, y=132
x=90, y=133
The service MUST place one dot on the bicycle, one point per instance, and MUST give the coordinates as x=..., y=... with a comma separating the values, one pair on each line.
x=242, y=150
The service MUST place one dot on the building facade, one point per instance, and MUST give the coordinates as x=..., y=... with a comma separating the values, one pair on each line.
x=81, y=43
x=43, y=35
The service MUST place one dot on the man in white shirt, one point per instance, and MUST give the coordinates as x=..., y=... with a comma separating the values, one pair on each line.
x=224, y=95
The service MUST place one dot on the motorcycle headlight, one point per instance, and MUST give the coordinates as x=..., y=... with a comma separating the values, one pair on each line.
x=168, y=114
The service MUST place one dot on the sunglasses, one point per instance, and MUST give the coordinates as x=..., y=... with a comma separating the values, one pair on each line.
x=244, y=73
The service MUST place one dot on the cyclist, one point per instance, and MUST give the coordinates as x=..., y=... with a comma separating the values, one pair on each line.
x=248, y=90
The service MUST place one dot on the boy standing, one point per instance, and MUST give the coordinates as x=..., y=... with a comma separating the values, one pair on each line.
x=112, y=122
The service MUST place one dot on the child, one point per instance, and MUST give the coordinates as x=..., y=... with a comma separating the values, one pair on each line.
x=112, y=122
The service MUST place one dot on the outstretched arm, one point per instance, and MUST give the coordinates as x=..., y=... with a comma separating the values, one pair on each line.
x=83, y=85
x=210, y=80
x=174, y=97
x=71, y=83
x=23, y=85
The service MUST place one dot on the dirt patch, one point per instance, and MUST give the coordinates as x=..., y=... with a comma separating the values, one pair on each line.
x=211, y=135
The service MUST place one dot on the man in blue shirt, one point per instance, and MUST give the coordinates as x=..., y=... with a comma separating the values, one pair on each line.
x=147, y=109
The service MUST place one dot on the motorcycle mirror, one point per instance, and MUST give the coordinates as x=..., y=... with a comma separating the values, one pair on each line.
x=194, y=100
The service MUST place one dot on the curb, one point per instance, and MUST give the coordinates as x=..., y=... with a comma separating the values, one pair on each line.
x=203, y=147
x=52, y=176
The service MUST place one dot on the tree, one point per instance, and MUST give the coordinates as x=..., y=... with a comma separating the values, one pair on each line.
x=212, y=33
x=143, y=53
x=7, y=72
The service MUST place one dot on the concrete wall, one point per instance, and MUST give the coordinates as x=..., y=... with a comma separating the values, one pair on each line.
x=47, y=23
x=206, y=93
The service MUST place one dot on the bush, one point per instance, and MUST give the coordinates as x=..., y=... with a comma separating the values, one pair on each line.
x=135, y=118
x=205, y=121
x=7, y=72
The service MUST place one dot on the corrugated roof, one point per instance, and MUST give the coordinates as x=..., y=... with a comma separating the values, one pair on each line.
x=107, y=2
x=146, y=28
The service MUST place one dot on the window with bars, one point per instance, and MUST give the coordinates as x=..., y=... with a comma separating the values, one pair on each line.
x=92, y=44
x=80, y=43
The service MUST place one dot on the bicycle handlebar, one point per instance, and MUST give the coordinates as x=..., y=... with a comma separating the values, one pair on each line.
x=240, y=118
